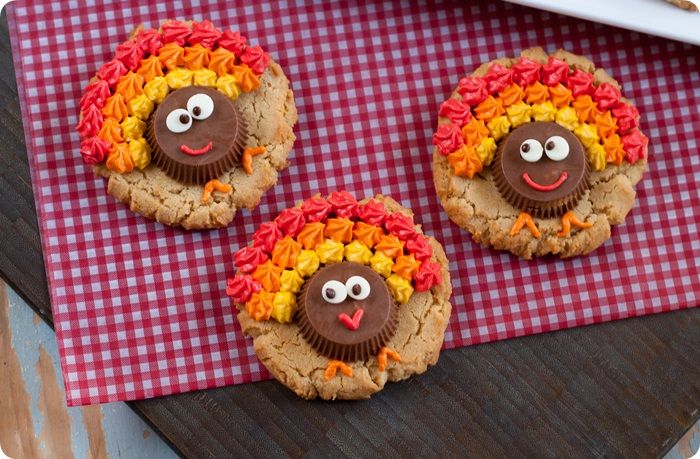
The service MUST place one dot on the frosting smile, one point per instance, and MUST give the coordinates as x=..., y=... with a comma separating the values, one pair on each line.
x=201, y=151
x=532, y=184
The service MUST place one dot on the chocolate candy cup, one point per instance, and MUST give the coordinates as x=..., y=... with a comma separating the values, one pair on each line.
x=224, y=128
x=321, y=327
x=509, y=168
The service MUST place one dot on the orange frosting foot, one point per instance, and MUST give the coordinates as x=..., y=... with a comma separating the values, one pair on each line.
x=525, y=219
x=247, y=159
x=384, y=354
x=334, y=366
x=569, y=219
x=214, y=185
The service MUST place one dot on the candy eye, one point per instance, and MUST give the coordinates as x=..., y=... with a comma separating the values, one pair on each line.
x=179, y=120
x=556, y=148
x=357, y=287
x=200, y=106
x=334, y=292
x=531, y=150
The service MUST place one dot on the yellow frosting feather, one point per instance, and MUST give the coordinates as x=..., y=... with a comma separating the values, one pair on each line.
x=381, y=264
x=499, y=127
x=486, y=150
x=291, y=281
x=567, y=118
x=179, y=78
x=519, y=114
x=140, y=107
x=284, y=305
x=358, y=252
x=587, y=134
x=544, y=111
x=205, y=77
x=140, y=153
x=307, y=263
x=156, y=89
x=400, y=288
x=227, y=84
x=596, y=156
x=330, y=251
x=132, y=128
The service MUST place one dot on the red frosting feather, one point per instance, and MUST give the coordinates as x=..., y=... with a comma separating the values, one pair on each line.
x=400, y=225
x=498, y=78
x=448, y=138
x=267, y=236
x=291, y=221
x=176, y=31
x=473, y=90
x=248, y=258
x=607, y=96
x=372, y=212
x=241, y=287
x=526, y=71
x=427, y=276
x=205, y=34
x=343, y=204
x=315, y=209
x=580, y=83
x=457, y=111
x=555, y=71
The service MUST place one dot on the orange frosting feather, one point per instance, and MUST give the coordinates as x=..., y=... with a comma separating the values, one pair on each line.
x=196, y=57
x=171, y=55
x=465, y=161
x=150, y=68
x=268, y=274
x=111, y=131
x=511, y=95
x=311, y=235
x=585, y=108
x=560, y=95
x=614, y=150
x=115, y=107
x=489, y=109
x=606, y=124
x=406, y=266
x=259, y=307
x=222, y=61
x=474, y=132
x=536, y=93
x=389, y=245
x=119, y=159
x=339, y=229
x=130, y=85
x=246, y=79
x=285, y=252
x=367, y=234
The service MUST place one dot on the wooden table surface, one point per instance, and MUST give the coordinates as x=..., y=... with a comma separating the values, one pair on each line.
x=629, y=388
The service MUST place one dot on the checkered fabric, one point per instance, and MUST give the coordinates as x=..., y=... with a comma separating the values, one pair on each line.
x=140, y=309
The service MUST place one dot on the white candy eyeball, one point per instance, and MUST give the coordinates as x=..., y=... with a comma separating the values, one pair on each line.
x=531, y=150
x=200, y=106
x=334, y=292
x=179, y=120
x=556, y=148
x=357, y=287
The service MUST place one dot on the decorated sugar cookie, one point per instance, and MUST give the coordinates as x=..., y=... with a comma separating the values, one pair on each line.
x=188, y=123
x=539, y=154
x=341, y=296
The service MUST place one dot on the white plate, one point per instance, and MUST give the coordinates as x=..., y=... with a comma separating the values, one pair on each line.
x=656, y=17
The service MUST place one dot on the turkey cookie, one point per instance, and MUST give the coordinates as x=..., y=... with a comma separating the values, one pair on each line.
x=188, y=123
x=538, y=155
x=342, y=296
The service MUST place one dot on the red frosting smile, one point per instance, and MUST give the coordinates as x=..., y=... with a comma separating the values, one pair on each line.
x=354, y=323
x=201, y=151
x=532, y=184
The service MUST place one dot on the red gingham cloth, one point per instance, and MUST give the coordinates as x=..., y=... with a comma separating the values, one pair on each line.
x=140, y=309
